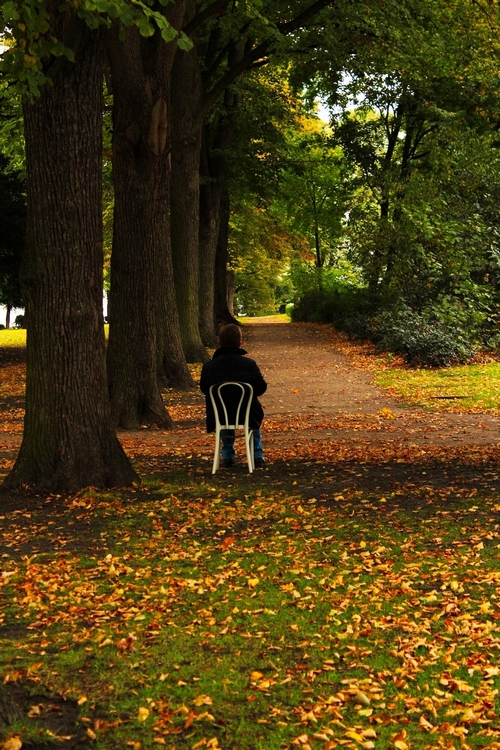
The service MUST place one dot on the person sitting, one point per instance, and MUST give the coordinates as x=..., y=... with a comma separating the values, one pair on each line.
x=229, y=363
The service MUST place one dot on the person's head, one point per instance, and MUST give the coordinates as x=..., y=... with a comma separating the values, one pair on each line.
x=230, y=336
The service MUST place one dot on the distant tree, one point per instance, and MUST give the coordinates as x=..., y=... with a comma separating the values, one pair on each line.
x=313, y=193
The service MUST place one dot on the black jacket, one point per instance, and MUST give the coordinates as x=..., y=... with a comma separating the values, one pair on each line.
x=231, y=364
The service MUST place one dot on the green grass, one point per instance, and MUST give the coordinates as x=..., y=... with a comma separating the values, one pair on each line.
x=13, y=337
x=191, y=615
x=469, y=387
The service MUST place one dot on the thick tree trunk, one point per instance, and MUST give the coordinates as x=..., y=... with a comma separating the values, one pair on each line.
x=7, y=315
x=68, y=440
x=187, y=126
x=144, y=334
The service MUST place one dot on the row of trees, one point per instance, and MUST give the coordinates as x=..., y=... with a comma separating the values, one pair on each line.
x=174, y=74
x=166, y=231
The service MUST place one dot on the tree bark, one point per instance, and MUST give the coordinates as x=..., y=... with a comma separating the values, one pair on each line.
x=144, y=334
x=187, y=128
x=223, y=314
x=214, y=174
x=68, y=442
x=209, y=232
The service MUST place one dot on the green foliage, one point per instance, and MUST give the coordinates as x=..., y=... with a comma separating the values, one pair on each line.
x=260, y=243
x=312, y=194
x=27, y=28
x=413, y=118
x=259, y=253
x=423, y=339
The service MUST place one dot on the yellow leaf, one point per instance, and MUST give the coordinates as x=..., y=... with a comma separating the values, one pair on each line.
x=491, y=671
x=424, y=724
x=354, y=735
x=256, y=675
x=91, y=734
x=34, y=712
x=468, y=715
x=82, y=700
x=252, y=582
x=142, y=713
x=365, y=711
x=386, y=413
x=203, y=700
x=13, y=742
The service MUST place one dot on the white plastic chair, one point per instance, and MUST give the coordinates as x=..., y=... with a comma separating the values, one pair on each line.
x=238, y=420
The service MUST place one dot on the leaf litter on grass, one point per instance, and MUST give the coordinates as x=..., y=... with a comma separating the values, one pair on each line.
x=199, y=616
x=317, y=604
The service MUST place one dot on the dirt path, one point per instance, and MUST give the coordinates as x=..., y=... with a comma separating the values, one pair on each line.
x=309, y=376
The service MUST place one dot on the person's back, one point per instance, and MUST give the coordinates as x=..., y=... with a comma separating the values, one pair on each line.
x=230, y=363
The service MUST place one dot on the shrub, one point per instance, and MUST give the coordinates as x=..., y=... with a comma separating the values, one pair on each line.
x=346, y=307
x=425, y=341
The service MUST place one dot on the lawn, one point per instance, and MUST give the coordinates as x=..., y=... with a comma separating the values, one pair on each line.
x=194, y=615
x=13, y=337
x=465, y=388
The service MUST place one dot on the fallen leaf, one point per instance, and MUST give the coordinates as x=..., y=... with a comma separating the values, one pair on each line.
x=143, y=713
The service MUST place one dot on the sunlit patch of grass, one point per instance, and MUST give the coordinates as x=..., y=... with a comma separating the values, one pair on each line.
x=13, y=337
x=277, y=318
x=465, y=388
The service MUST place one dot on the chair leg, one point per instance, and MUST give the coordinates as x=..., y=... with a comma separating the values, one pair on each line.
x=249, y=448
x=216, y=462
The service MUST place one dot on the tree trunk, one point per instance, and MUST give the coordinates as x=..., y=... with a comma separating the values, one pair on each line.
x=142, y=297
x=7, y=315
x=187, y=126
x=231, y=289
x=68, y=442
x=217, y=291
x=223, y=314
x=209, y=232
x=214, y=181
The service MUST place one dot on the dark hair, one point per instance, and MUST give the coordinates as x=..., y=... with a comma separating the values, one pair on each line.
x=230, y=336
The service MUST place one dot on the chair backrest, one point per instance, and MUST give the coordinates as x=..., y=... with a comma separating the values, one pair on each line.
x=231, y=401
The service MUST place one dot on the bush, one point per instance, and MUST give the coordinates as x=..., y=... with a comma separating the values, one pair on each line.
x=345, y=307
x=424, y=341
